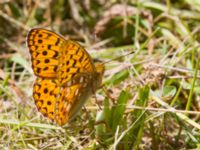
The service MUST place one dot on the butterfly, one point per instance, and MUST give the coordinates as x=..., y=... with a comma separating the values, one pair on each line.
x=66, y=75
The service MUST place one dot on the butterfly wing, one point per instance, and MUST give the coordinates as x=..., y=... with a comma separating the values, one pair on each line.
x=44, y=47
x=45, y=93
x=75, y=76
x=74, y=59
x=72, y=98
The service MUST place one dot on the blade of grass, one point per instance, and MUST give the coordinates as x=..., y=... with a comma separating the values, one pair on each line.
x=193, y=84
x=35, y=125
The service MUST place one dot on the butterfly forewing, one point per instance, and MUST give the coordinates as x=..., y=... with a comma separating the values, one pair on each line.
x=74, y=59
x=44, y=47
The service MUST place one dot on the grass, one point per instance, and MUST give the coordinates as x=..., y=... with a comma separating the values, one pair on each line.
x=150, y=96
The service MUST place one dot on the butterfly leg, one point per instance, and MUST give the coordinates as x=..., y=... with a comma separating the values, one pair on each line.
x=108, y=93
x=96, y=100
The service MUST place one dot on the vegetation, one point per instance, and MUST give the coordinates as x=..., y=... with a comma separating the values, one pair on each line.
x=150, y=98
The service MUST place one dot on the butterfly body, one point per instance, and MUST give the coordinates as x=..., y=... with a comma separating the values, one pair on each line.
x=66, y=75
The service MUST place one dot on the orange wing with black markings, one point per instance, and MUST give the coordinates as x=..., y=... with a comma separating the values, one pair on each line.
x=44, y=47
x=74, y=59
x=45, y=93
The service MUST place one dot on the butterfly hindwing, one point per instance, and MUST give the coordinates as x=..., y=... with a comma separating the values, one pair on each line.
x=72, y=97
x=45, y=93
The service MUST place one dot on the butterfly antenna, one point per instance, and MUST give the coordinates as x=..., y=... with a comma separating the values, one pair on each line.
x=118, y=57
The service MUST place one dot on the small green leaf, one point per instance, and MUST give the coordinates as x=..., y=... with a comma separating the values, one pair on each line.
x=119, y=109
x=169, y=91
x=100, y=127
x=103, y=119
x=15, y=9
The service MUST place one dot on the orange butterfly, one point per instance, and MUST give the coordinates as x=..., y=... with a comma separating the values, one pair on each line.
x=66, y=74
